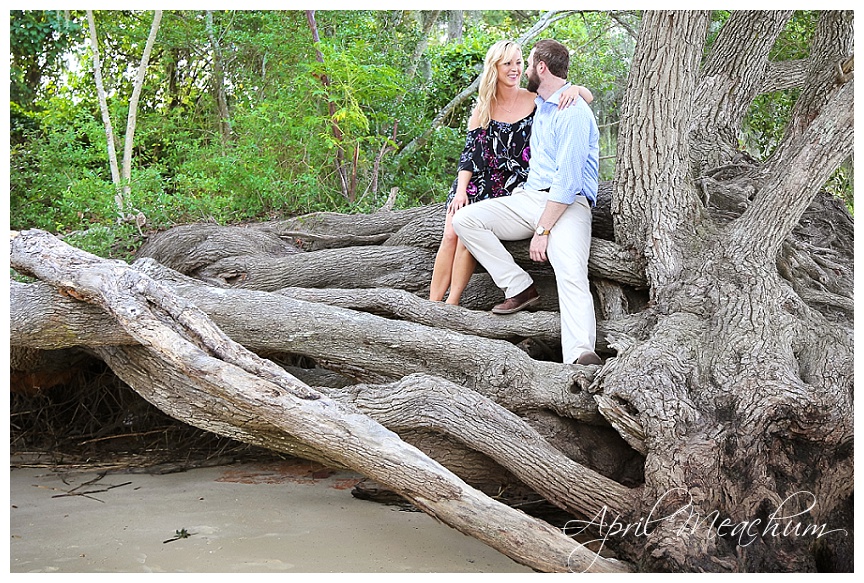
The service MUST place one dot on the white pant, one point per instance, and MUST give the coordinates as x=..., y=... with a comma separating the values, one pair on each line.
x=483, y=225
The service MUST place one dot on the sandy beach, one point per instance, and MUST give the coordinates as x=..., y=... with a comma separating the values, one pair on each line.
x=291, y=516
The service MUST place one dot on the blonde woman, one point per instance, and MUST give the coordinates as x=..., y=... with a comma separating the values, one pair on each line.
x=495, y=158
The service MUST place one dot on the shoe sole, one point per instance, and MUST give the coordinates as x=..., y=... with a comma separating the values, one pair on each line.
x=518, y=308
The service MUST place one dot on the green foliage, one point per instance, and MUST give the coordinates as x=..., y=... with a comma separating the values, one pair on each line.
x=601, y=52
x=454, y=66
x=766, y=121
x=117, y=241
x=842, y=184
x=38, y=40
x=429, y=175
x=52, y=169
x=794, y=41
x=280, y=158
x=236, y=185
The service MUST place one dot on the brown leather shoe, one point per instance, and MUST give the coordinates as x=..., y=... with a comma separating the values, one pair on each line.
x=518, y=302
x=589, y=358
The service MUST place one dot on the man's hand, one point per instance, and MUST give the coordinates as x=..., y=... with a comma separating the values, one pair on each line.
x=538, y=247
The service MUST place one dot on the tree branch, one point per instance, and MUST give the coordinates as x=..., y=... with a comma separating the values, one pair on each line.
x=732, y=76
x=133, y=102
x=799, y=168
x=832, y=42
x=484, y=425
x=784, y=75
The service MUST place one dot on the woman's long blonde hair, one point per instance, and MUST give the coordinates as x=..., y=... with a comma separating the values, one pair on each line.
x=502, y=51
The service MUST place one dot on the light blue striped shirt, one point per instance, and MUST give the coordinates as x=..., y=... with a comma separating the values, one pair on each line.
x=565, y=149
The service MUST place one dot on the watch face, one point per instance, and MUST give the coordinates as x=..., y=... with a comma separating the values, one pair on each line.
x=539, y=230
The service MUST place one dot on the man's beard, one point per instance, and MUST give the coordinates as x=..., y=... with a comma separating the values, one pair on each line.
x=533, y=82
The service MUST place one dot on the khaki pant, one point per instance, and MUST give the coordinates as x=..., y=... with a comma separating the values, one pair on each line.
x=483, y=225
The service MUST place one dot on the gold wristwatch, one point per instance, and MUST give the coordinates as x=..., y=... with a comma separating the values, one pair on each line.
x=540, y=230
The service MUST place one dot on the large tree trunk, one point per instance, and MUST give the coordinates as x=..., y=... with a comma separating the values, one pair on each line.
x=717, y=436
x=743, y=389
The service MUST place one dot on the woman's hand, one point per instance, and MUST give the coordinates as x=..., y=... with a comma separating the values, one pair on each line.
x=460, y=200
x=572, y=93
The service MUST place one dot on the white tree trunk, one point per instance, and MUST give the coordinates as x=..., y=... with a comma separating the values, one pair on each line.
x=133, y=103
x=106, y=117
x=121, y=180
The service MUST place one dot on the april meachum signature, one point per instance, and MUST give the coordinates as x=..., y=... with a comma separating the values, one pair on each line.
x=780, y=523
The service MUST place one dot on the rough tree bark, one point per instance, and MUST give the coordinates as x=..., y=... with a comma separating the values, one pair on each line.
x=736, y=71
x=743, y=388
x=717, y=436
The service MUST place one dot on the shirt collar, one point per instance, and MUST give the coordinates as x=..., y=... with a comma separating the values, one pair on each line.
x=554, y=97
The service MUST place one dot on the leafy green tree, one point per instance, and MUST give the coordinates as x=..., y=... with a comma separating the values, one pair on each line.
x=38, y=41
x=390, y=74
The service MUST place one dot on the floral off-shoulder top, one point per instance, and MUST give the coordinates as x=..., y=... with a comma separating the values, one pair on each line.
x=498, y=158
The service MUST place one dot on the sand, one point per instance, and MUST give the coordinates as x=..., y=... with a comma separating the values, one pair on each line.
x=267, y=517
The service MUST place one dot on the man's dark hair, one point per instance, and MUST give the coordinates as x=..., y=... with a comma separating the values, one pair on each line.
x=555, y=55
